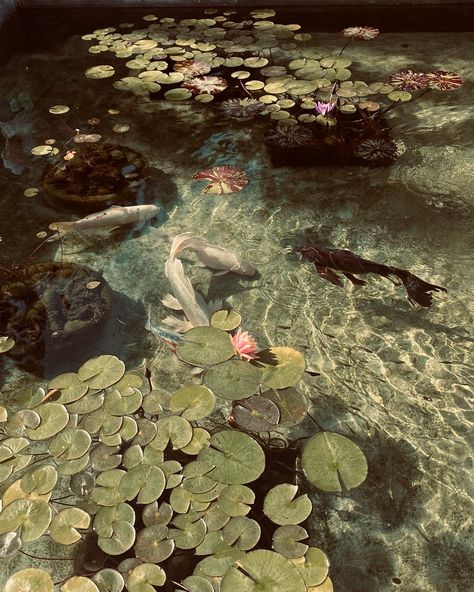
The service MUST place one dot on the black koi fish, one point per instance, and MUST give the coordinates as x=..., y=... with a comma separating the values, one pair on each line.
x=326, y=261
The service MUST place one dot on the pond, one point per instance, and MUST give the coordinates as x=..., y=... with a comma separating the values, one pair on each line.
x=179, y=117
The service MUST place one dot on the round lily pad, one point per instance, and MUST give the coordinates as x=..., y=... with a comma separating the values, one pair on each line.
x=29, y=580
x=106, y=489
x=282, y=366
x=263, y=571
x=154, y=514
x=64, y=524
x=205, y=346
x=101, y=372
x=197, y=584
x=193, y=401
x=178, y=94
x=227, y=320
x=109, y=580
x=187, y=534
x=234, y=379
x=70, y=444
x=54, y=417
x=333, y=462
x=256, y=414
x=199, y=441
x=152, y=544
x=242, y=533
x=10, y=544
x=104, y=71
x=286, y=541
x=313, y=566
x=281, y=506
x=6, y=344
x=144, y=578
x=59, y=109
x=241, y=74
x=237, y=457
x=40, y=480
x=292, y=404
x=79, y=584
x=172, y=428
x=399, y=95
x=70, y=386
x=31, y=515
x=235, y=500
x=121, y=540
x=145, y=481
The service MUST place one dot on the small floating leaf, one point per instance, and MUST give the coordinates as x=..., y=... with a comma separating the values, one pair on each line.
x=97, y=72
x=178, y=94
x=234, y=379
x=286, y=541
x=145, y=481
x=193, y=402
x=31, y=515
x=399, y=95
x=281, y=506
x=144, y=577
x=64, y=524
x=314, y=566
x=282, y=366
x=227, y=320
x=31, y=192
x=101, y=372
x=152, y=545
x=242, y=533
x=29, y=580
x=41, y=150
x=109, y=580
x=79, y=584
x=205, y=346
x=256, y=414
x=59, y=109
x=292, y=404
x=10, y=544
x=333, y=462
x=235, y=500
x=54, y=417
x=6, y=344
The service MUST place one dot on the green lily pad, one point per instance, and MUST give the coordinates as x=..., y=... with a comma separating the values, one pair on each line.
x=144, y=577
x=79, y=584
x=227, y=320
x=281, y=506
x=215, y=518
x=154, y=514
x=71, y=388
x=64, y=524
x=29, y=580
x=187, y=534
x=116, y=403
x=333, y=462
x=178, y=94
x=54, y=417
x=122, y=539
x=109, y=580
x=100, y=72
x=172, y=472
x=87, y=404
x=292, y=404
x=144, y=482
x=241, y=532
x=132, y=457
x=105, y=457
x=156, y=401
x=256, y=414
x=172, y=428
x=196, y=584
x=212, y=543
x=40, y=480
x=71, y=467
x=106, y=518
x=314, y=566
x=31, y=515
x=180, y=499
x=146, y=431
x=263, y=571
x=326, y=586
x=10, y=544
x=399, y=95
x=106, y=489
x=205, y=346
x=218, y=564
x=81, y=484
x=237, y=458
x=286, y=541
x=152, y=544
x=335, y=61
x=101, y=372
x=282, y=366
x=193, y=401
x=70, y=444
x=6, y=344
x=234, y=379
x=200, y=440
x=235, y=500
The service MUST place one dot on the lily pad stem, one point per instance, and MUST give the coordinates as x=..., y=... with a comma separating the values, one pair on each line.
x=346, y=44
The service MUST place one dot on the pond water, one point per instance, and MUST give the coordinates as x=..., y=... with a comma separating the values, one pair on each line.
x=395, y=379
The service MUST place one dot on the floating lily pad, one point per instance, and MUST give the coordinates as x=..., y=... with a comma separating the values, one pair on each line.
x=199, y=441
x=106, y=490
x=29, y=580
x=154, y=514
x=333, y=462
x=144, y=577
x=105, y=457
x=70, y=444
x=40, y=480
x=31, y=515
x=241, y=74
x=101, y=372
x=282, y=366
x=41, y=150
x=54, y=417
x=121, y=540
x=197, y=584
x=227, y=320
x=106, y=518
x=79, y=584
x=152, y=544
x=235, y=500
x=187, y=534
x=109, y=580
x=256, y=414
x=237, y=458
x=254, y=85
x=64, y=524
x=18, y=422
x=314, y=566
x=81, y=484
x=282, y=508
x=145, y=481
x=100, y=72
x=286, y=541
x=178, y=94
x=59, y=109
x=70, y=386
x=155, y=401
x=193, y=402
x=6, y=344
x=242, y=533
x=172, y=428
x=263, y=571
x=399, y=95
x=292, y=404
x=234, y=379
x=10, y=544
x=205, y=346
x=117, y=404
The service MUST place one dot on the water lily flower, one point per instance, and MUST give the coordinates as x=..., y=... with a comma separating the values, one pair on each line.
x=324, y=108
x=244, y=344
x=364, y=33
x=206, y=84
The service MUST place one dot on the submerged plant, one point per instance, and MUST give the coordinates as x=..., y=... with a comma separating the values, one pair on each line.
x=206, y=84
x=408, y=80
x=243, y=109
x=374, y=149
x=289, y=136
x=192, y=68
x=224, y=179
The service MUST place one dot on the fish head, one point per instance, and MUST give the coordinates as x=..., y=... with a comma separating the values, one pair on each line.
x=245, y=268
x=148, y=210
x=306, y=252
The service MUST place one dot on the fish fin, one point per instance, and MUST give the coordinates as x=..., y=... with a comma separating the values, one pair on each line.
x=183, y=241
x=214, y=305
x=221, y=273
x=417, y=289
x=171, y=302
x=177, y=325
x=201, y=264
x=355, y=280
x=329, y=275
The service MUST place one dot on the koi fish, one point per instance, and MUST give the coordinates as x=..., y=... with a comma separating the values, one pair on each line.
x=213, y=256
x=107, y=219
x=169, y=337
x=327, y=261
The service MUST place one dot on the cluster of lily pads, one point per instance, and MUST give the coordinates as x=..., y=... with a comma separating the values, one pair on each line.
x=256, y=66
x=163, y=492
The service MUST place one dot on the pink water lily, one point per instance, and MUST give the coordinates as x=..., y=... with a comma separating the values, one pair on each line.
x=244, y=344
x=324, y=108
x=364, y=33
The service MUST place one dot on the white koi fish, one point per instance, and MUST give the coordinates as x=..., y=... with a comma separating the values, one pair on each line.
x=107, y=219
x=212, y=256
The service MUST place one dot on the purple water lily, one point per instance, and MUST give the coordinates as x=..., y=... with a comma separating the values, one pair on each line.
x=324, y=108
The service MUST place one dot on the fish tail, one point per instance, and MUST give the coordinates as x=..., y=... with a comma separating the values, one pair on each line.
x=186, y=240
x=418, y=290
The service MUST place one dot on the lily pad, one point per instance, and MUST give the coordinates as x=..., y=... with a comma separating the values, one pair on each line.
x=263, y=571
x=227, y=320
x=70, y=386
x=70, y=444
x=282, y=508
x=282, y=366
x=101, y=372
x=31, y=515
x=286, y=541
x=40, y=480
x=187, y=534
x=106, y=489
x=172, y=428
x=193, y=402
x=314, y=566
x=6, y=344
x=399, y=95
x=54, y=417
x=79, y=584
x=152, y=544
x=178, y=94
x=234, y=379
x=109, y=580
x=144, y=482
x=333, y=462
x=64, y=524
x=199, y=441
x=235, y=500
x=154, y=514
x=242, y=533
x=29, y=580
x=122, y=539
x=292, y=404
x=256, y=414
x=205, y=346
x=237, y=458
x=144, y=578
x=10, y=544
x=97, y=72
x=196, y=584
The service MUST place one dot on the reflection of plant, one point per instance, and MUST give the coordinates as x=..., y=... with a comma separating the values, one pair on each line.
x=191, y=68
x=224, y=179
x=289, y=136
x=155, y=495
x=376, y=149
x=408, y=80
x=242, y=108
x=206, y=84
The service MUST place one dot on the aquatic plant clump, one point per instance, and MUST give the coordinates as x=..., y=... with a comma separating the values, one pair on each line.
x=289, y=136
x=243, y=109
x=224, y=179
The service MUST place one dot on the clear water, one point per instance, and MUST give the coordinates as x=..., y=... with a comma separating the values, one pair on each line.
x=395, y=379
